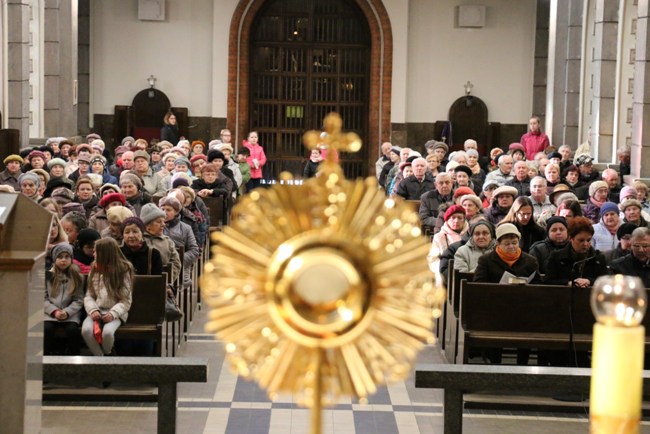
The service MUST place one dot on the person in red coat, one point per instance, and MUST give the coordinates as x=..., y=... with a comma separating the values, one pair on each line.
x=534, y=140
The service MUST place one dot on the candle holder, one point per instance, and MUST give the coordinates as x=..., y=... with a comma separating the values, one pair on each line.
x=619, y=304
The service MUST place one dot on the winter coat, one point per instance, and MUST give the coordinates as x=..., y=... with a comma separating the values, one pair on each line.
x=170, y=133
x=140, y=260
x=491, y=267
x=310, y=169
x=429, y=207
x=603, y=240
x=412, y=189
x=534, y=143
x=523, y=187
x=631, y=266
x=614, y=254
x=182, y=236
x=222, y=186
x=106, y=304
x=168, y=253
x=69, y=303
x=141, y=198
x=495, y=214
x=499, y=177
x=151, y=182
x=467, y=256
x=561, y=266
x=448, y=255
x=447, y=236
x=257, y=153
x=530, y=234
x=541, y=250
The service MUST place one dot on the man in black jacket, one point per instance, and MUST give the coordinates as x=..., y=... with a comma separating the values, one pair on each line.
x=636, y=263
x=422, y=181
x=430, y=202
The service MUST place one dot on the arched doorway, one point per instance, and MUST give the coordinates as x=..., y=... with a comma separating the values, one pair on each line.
x=308, y=58
x=379, y=67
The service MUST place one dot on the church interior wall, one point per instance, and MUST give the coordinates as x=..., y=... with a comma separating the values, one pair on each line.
x=177, y=51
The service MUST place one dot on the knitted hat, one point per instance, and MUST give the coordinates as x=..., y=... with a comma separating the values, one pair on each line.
x=99, y=144
x=98, y=159
x=188, y=192
x=133, y=221
x=441, y=145
x=490, y=184
x=183, y=160
x=474, y=198
x=13, y=157
x=120, y=150
x=92, y=136
x=108, y=186
x=628, y=192
x=473, y=152
x=36, y=154
x=505, y=189
x=395, y=150
x=73, y=207
x=198, y=157
x=494, y=152
x=554, y=155
x=142, y=154
x=29, y=176
x=56, y=162
x=84, y=147
x=170, y=201
x=214, y=144
x=179, y=181
x=405, y=164
x=87, y=236
x=225, y=147
x=42, y=173
x=480, y=222
x=555, y=219
x=454, y=209
x=118, y=214
x=595, y=186
x=83, y=158
x=150, y=212
x=215, y=154
x=464, y=169
x=197, y=142
x=452, y=165
x=507, y=229
x=132, y=178
x=462, y=191
x=630, y=202
x=127, y=139
x=62, y=194
x=608, y=207
x=112, y=197
x=583, y=159
x=516, y=147
x=625, y=229
x=61, y=248
x=566, y=196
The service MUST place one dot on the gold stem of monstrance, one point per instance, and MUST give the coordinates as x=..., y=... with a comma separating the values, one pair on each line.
x=322, y=290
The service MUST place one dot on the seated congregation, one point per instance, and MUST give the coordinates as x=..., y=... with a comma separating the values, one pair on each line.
x=531, y=218
x=531, y=215
x=129, y=236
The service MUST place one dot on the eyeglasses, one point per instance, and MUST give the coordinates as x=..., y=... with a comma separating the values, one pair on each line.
x=524, y=214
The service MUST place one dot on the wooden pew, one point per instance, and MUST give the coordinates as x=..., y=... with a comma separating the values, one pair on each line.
x=524, y=316
x=147, y=312
x=217, y=208
x=164, y=373
x=459, y=380
x=452, y=326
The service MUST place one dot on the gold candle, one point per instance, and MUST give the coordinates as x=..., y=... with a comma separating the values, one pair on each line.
x=618, y=303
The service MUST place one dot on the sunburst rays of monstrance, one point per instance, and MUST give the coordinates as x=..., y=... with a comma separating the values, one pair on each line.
x=322, y=289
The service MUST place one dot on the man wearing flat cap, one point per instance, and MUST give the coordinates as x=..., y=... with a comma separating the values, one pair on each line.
x=10, y=175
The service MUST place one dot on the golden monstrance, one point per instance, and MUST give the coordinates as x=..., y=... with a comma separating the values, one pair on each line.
x=322, y=289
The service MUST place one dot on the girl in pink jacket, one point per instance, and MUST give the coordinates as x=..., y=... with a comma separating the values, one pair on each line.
x=534, y=140
x=256, y=160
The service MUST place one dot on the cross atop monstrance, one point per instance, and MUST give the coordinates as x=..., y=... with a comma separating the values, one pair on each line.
x=332, y=138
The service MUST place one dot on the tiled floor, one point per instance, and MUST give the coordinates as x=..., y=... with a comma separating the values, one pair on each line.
x=227, y=404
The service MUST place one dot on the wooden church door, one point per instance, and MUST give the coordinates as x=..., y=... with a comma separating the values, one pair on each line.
x=308, y=58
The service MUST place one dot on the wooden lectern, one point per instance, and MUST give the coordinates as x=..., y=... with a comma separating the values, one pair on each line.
x=24, y=230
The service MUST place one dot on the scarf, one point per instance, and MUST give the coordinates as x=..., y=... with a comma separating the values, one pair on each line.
x=508, y=258
x=598, y=203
